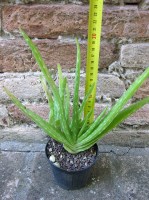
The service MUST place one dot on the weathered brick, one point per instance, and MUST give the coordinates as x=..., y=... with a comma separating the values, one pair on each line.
x=143, y=91
x=16, y=57
x=18, y=117
x=44, y=1
x=110, y=86
x=125, y=21
x=107, y=85
x=4, y=118
x=25, y=87
x=50, y=21
x=0, y=21
x=46, y=21
x=145, y=5
x=135, y=55
x=111, y=1
x=141, y=117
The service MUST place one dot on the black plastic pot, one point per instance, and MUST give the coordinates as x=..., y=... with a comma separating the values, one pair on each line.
x=72, y=180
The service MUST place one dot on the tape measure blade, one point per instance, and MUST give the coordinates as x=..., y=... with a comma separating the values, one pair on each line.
x=94, y=34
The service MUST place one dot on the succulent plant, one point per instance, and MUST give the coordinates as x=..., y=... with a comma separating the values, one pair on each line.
x=73, y=131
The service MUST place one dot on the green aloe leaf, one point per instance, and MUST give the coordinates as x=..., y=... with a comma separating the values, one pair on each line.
x=49, y=129
x=87, y=139
x=67, y=104
x=84, y=124
x=75, y=114
x=47, y=75
x=97, y=121
x=85, y=100
x=49, y=98
x=62, y=83
x=125, y=113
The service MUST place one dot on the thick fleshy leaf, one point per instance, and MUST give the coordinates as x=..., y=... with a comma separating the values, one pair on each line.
x=75, y=114
x=49, y=98
x=85, y=100
x=49, y=129
x=96, y=122
x=125, y=113
x=67, y=104
x=88, y=139
x=50, y=81
x=84, y=124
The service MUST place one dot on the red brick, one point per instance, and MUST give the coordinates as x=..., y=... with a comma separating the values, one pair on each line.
x=143, y=91
x=0, y=21
x=141, y=117
x=18, y=117
x=50, y=21
x=16, y=57
x=46, y=21
x=125, y=21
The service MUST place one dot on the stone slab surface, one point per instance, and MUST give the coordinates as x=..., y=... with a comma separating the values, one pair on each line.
x=27, y=176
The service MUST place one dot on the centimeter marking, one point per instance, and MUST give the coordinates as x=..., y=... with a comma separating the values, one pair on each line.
x=94, y=35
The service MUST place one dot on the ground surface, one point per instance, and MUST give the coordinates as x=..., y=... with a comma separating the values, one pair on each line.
x=121, y=173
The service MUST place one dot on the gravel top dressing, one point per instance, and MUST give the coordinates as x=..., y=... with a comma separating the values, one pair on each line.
x=67, y=161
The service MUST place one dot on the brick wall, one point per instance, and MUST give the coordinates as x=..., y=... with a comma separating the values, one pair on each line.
x=53, y=25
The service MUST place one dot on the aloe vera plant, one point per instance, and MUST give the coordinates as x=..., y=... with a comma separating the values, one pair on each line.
x=73, y=131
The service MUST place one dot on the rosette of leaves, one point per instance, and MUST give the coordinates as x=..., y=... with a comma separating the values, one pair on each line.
x=73, y=131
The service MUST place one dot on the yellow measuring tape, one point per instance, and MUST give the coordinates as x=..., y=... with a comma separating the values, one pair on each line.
x=94, y=35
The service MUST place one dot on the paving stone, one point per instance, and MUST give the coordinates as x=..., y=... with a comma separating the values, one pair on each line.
x=29, y=177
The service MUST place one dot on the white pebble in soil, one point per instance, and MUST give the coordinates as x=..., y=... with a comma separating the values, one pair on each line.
x=50, y=150
x=57, y=164
x=52, y=158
